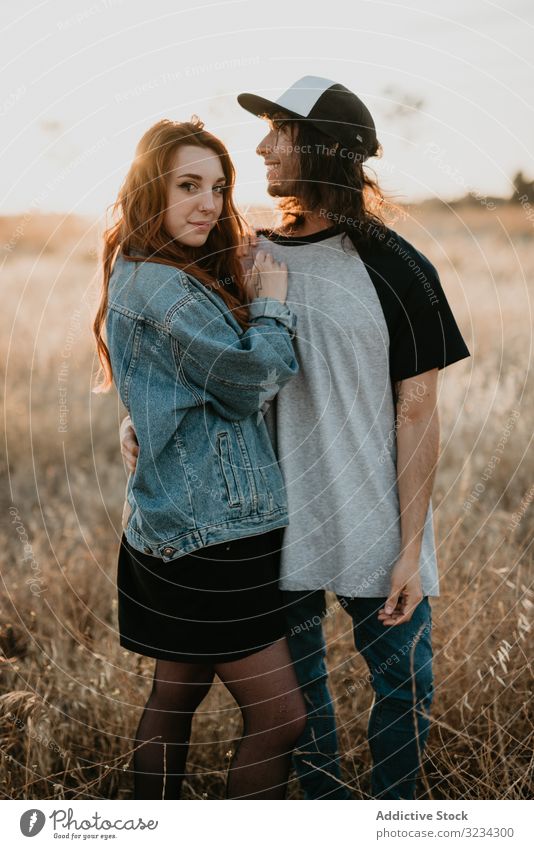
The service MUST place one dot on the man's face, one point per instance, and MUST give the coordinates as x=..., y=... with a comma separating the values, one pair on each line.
x=281, y=160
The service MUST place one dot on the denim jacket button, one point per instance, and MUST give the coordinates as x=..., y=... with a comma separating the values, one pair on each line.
x=168, y=552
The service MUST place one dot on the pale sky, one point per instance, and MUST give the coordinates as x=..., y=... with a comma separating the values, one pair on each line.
x=82, y=81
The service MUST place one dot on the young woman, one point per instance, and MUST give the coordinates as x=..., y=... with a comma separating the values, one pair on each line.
x=195, y=349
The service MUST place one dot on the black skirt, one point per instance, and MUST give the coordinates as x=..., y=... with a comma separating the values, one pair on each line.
x=217, y=604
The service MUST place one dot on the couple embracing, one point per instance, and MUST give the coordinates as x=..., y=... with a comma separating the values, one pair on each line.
x=282, y=439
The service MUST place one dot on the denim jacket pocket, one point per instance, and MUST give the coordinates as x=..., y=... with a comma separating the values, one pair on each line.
x=226, y=462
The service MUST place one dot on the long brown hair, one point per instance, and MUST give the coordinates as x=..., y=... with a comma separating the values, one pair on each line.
x=333, y=181
x=139, y=234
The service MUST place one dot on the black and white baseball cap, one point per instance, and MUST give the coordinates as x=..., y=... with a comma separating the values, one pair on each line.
x=327, y=105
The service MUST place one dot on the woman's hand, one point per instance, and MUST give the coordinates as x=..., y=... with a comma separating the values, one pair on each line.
x=246, y=251
x=249, y=243
x=267, y=278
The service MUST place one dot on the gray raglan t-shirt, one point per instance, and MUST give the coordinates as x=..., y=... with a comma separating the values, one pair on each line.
x=333, y=425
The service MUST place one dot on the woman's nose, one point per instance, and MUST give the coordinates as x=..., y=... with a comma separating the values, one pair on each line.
x=207, y=203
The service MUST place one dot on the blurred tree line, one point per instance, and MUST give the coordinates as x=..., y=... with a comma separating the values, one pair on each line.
x=522, y=189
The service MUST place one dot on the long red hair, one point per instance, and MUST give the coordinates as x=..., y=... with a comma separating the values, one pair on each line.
x=138, y=231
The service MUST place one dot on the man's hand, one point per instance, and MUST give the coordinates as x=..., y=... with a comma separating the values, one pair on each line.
x=129, y=444
x=417, y=432
x=405, y=593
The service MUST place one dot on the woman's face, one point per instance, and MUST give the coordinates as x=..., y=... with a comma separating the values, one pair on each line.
x=195, y=186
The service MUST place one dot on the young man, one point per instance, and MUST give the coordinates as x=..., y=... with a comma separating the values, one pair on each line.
x=356, y=432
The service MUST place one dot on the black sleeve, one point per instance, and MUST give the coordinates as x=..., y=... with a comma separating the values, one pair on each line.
x=422, y=329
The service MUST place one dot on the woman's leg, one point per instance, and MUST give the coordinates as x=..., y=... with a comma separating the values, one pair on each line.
x=177, y=690
x=265, y=687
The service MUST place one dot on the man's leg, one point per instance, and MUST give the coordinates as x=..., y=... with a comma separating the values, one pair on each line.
x=316, y=758
x=399, y=658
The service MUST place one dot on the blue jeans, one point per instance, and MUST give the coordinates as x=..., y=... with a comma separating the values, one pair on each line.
x=399, y=659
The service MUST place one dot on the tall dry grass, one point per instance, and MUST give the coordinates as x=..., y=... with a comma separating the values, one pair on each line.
x=70, y=696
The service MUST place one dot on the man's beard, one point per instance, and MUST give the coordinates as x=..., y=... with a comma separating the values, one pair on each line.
x=283, y=189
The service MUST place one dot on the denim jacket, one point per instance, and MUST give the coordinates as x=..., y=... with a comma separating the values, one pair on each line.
x=194, y=384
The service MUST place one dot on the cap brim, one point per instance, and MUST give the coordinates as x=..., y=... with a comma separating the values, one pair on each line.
x=262, y=106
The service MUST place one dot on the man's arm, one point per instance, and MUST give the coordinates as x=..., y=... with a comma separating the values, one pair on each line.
x=129, y=443
x=417, y=427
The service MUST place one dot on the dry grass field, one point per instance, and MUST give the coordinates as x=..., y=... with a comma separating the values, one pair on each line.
x=70, y=696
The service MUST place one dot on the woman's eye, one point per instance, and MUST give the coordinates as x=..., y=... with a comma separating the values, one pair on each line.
x=219, y=189
x=186, y=186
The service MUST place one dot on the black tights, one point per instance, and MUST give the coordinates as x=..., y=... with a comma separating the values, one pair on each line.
x=274, y=716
